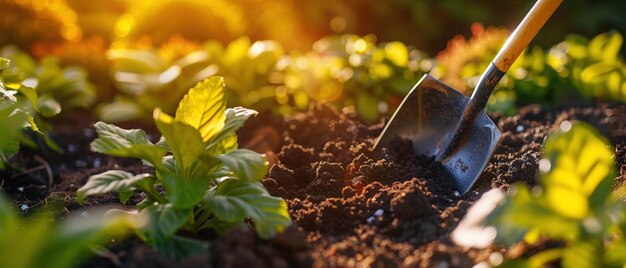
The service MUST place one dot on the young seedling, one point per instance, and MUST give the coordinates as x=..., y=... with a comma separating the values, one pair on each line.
x=208, y=183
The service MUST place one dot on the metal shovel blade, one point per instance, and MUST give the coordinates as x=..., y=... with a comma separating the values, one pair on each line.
x=428, y=116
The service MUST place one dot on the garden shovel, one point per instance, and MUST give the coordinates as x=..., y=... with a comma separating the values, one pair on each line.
x=443, y=123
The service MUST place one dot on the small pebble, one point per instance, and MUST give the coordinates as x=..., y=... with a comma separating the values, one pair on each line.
x=371, y=220
x=80, y=163
x=88, y=132
x=378, y=213
x=71, y=148
x=519, y=128
x=496, y=259
x=482, y=265
x=565, y=126
x=21, y=189
x=84, y=214
x=24, y=207
x=97, y=162
x=545, y=165
x=456, y=193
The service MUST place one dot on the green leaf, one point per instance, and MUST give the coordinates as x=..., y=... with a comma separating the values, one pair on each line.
x=163, y=221
x=184, y=140
x=235, y=119
x=178, y=247
x=133, y=143
x=234, y=200
x=111, y=181
x=8, y=218
x=397, y=53
x=245, y=164
x=583, y=254
x=141, y=61
x=203, y=107
x=522, y=213
x=606, y=46
x=31, y=95
x=7, y=94
x=119, y=110
x=4, y=62
x=12, y=121
x=114, y=137
x=581, y=172
x=48, y=106
x=184, y=192
x=614, y=256
x=75, y=239
x=367, y=106
x=42, y=241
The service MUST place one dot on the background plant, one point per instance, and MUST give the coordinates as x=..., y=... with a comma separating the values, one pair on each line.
x=12, y=120
x=574, y=204
x=208, y=182
x=345, y=70
x=574, y=68
x=43, y=89
x=41, y=241
x=351, y=70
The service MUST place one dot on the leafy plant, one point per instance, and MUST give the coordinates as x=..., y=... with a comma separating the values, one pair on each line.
x=208, y=182
x=89, y=54
x=55, y=87
x=345, y=70
x=576, y=67
x=574, y=204
x=13, y=119
x=351, y=70
x=148, y=82
x=42, y=90
x=159, y=78
x=39, y=241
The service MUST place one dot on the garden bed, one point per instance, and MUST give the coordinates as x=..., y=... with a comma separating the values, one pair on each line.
x=350, y=205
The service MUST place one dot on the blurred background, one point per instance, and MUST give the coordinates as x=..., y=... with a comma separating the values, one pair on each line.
x=426, y=24
x=283, y=54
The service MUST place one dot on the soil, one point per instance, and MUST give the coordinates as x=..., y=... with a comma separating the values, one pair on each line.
x=351, y=206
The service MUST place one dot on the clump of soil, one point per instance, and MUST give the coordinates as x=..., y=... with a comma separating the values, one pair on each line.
x=350, y=205
x=392, y=208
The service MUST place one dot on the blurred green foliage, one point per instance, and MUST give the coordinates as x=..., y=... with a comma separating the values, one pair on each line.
x=40, y=241
x=574, y=204
x=351, y=70
x=55, y=87
x=40, y=90
x=344, y=70
x=573, y=68
x=13, y=119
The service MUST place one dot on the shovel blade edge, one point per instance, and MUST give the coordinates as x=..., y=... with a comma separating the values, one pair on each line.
x=429, y=114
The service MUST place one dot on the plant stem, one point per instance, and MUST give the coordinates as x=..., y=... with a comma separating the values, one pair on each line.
x=152, y=192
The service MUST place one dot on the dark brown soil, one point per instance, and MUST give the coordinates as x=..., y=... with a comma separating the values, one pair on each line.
x=391, y=208
x=351, y=206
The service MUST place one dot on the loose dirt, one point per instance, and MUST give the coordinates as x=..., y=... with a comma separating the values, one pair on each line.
x=350, y=205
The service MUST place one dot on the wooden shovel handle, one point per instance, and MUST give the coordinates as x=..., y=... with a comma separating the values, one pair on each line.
x=509, y=52
x=524, y=33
